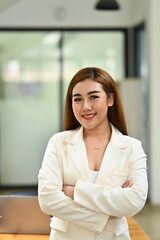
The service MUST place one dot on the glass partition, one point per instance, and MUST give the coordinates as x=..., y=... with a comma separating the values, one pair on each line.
x=29, y=103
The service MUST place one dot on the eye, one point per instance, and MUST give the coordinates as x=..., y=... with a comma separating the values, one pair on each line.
x=77, y=99
x=94, y=97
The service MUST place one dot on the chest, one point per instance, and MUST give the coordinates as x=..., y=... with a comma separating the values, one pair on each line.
x=95, y=153
x=94, y=158
x=76, y=161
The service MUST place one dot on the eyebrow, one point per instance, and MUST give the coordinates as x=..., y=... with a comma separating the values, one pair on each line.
x=89, y=93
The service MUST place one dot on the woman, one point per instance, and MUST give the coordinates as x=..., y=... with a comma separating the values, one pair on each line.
x=93, y=174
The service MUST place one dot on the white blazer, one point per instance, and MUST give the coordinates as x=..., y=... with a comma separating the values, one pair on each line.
x=87, y=216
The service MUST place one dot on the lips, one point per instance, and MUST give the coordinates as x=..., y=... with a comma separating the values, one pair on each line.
x=89, y=116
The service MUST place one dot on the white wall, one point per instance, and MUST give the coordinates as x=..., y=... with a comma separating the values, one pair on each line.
x=132, y=105
x=138, y=11
x=154, y=76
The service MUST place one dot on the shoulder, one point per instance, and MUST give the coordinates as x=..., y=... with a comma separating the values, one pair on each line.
x=124, y=141
x=131, y=146
x=64, y=136
x=134, y=146
x=131, y=140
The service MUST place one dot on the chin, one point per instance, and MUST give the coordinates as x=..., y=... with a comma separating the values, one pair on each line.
x=89, y=127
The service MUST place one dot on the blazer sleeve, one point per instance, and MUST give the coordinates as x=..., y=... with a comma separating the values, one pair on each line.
x=117, y=201
x=55, y=203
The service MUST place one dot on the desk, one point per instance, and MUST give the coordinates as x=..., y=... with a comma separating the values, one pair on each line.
x=135, y=230
x=136, y=233
x=23, y=237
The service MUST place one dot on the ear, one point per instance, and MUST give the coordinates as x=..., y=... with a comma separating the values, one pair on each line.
x=110, y=100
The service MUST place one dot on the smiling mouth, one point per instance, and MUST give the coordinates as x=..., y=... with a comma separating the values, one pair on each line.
x=89, y=116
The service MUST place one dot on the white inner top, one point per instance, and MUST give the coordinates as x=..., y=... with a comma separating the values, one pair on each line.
x=93, y=175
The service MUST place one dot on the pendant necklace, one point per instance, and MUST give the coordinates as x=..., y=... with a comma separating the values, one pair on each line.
x=99, y=147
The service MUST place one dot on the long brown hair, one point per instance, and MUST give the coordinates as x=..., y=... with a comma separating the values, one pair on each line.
x=115, y=112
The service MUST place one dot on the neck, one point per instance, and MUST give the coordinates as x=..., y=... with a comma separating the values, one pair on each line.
x=98, y=131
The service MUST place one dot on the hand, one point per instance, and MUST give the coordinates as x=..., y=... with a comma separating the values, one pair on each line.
x=112, y=217
x=68, y=190
x=125, y=185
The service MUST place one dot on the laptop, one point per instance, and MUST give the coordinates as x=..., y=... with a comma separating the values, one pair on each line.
x=22, y=214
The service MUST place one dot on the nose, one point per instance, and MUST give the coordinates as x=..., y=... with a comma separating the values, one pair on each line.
x=86, y=105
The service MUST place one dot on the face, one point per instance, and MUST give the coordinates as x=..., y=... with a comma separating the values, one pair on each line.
x=90, y=104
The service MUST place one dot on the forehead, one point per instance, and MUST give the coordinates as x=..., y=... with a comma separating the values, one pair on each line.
x=86, y=86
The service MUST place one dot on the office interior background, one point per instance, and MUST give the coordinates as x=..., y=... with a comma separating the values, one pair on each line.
x=43, y=44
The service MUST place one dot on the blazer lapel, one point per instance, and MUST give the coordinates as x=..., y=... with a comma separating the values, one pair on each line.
x=77, y=152
x=112, y=155
x=109, y=161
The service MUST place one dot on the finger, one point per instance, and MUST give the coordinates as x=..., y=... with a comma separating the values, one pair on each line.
x=112, y=217
x=125, y=184
x=130, y=183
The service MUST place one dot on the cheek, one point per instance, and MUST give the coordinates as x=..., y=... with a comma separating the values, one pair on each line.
x=102, y=106
x=76, y=109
